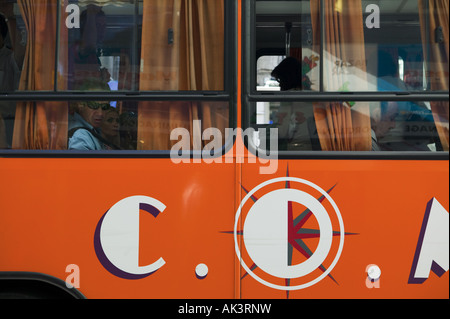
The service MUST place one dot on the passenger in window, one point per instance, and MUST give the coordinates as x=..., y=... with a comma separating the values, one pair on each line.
x=84, y=60
x=409, y=114
x=86, y=119
x=110, y=128
x=387, y=73
x=289, y=74
x=383, y=120
x=9, y=82
x=292, y=119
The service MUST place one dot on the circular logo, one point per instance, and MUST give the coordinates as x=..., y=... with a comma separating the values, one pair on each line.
x=285, y=233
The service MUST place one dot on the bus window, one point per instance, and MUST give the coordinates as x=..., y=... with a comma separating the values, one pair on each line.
x=264, y=67
x=284, y=30
x=131, y=45
x=147, y=46
x=399, y=52
x=313, y=54
x=397, y=47
x=126, y=126
x=160, y=48
x=394, y=126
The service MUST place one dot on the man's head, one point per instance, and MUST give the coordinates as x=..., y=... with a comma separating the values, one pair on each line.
x=93, y=111
x=289, y=74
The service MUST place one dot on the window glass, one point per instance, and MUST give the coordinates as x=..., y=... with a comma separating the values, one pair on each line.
x=148, y=45
x=365, y=46
x=13, y=40
x=284, y=47
x=394, y=125
x=264, y=66
x=110, y=125
x=334, y=46
x=105, y=45
x=131, y=45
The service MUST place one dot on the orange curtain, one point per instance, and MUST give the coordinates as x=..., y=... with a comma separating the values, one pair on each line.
x=342, y=126
x=436, y=54
x=192, y=61
x=41, y=125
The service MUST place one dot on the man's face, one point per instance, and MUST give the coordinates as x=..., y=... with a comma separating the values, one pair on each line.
x=93, y=112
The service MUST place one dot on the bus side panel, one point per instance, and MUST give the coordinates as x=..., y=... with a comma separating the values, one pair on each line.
x=51, y=209
x=382, y=204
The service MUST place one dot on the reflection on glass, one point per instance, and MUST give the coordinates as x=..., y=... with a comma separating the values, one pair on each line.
x=293, y=121
x=87, y=54
x=390, y=126
x=405, y=126
x=156, y=121
x=406, y=51
x=130, y=45
x=98, y=126
x=284, y=31
x=147, y=46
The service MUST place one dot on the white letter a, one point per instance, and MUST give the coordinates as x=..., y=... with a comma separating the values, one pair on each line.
x=373, y=20
x=73, y=19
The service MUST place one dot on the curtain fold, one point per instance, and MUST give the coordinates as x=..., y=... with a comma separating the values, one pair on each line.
x=192, y=61
x=436, y=12
x=41, y=125
x=342, y=126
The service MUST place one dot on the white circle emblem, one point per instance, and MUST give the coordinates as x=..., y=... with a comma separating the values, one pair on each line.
x=266, y=233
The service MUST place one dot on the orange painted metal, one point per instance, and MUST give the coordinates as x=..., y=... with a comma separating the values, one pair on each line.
x=50, y=209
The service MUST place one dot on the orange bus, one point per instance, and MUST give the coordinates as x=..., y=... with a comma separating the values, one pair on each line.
x=224, y=149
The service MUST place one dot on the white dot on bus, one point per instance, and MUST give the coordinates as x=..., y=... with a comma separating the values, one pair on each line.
x=374, y=272
x=201, y=271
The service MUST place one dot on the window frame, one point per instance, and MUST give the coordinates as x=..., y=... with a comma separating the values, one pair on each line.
x=251, y=95
x=228, y=94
